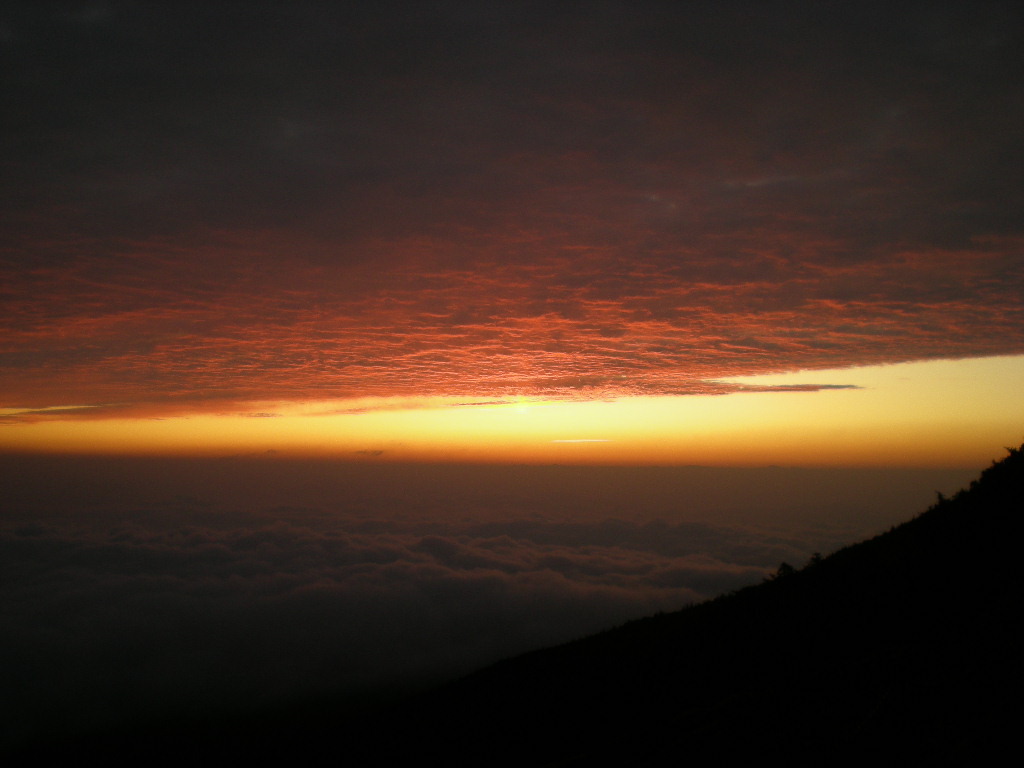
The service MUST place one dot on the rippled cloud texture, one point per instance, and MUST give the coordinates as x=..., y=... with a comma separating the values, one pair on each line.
x=204, y=619
x=309, y=200
x=141, y=591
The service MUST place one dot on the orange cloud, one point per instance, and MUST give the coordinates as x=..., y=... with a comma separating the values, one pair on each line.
x=637, y=203
x=568, y=325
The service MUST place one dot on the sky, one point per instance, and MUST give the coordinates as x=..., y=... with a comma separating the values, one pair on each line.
x=348, y=346
x=230, y=214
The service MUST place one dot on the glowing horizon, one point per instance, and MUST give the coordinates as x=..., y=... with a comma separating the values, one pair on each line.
x=938, y=413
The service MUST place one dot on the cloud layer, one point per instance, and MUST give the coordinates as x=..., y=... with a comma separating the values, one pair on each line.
x=105, y=624
x=136, y=589
x=144, y=589
x=482, y=200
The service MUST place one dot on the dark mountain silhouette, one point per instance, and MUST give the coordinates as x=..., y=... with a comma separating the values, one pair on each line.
x=905, y=647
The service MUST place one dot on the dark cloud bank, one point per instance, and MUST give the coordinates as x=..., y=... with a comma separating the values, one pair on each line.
x=123, y=599
x=274, y=200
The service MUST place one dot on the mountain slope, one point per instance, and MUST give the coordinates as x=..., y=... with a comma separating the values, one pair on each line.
x=906, y=646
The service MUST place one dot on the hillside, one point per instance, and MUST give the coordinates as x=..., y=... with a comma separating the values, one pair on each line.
x=906, y=646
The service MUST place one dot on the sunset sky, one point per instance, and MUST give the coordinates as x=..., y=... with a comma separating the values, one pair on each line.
x=348, y=346
x=513, y=231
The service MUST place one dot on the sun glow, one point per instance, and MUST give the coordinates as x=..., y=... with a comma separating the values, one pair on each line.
x=935, y=413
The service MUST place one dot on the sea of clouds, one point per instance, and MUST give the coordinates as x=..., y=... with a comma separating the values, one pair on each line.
x=148, y=609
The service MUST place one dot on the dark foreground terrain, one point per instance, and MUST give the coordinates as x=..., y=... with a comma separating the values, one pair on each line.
x=906, y=647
